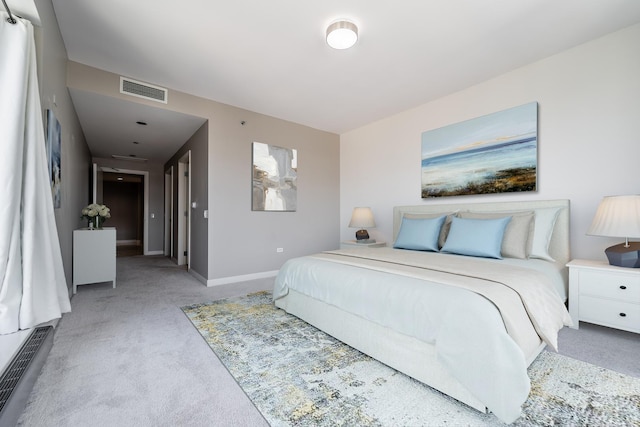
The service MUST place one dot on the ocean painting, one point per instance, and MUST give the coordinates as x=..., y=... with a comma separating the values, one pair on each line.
x=275, y=171
x=496, y=153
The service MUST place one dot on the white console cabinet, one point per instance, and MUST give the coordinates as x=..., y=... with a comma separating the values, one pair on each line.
x=94, y=256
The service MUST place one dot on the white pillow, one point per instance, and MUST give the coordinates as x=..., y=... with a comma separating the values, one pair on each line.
x=545, y=221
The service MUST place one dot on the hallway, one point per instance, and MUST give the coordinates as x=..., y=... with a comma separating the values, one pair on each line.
x=128, y=250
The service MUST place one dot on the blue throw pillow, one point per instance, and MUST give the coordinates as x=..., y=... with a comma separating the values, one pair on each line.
x=419, y=234
x=476, y=237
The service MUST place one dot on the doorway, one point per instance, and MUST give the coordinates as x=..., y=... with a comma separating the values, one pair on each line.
x=168, y=212
x=124, y=195
x=99, y=174
x=184, y=210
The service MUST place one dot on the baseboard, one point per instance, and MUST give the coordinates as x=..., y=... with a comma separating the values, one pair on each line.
x=154, y=253
x=243, y=278
x=128, y=242
x=199, y=277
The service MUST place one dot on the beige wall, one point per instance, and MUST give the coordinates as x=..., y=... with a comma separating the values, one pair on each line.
x=588, y=147
x=75, y=161
x=198, y=145
x=242, y=243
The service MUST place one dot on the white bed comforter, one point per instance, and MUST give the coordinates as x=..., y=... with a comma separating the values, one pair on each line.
x=482, y=337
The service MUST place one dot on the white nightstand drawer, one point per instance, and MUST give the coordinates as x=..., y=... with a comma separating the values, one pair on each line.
x=607, y=285
x=617, y=314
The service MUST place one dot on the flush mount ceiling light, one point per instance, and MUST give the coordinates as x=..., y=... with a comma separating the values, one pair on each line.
x=342, y=34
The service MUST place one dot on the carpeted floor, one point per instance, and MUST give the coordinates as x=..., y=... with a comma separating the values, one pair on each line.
x=130, y=357
x=297, y=375
x=128, y=250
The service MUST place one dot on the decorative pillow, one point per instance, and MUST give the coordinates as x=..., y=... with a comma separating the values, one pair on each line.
x=419, y=234
x=518, y=235
x=476, y=237
x=444, y=231
x=545, y=221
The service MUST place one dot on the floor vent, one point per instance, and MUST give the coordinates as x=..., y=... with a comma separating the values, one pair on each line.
x=143, y=90
x=18, y=379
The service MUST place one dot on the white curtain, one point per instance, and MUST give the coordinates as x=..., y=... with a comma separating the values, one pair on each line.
x=33, y=287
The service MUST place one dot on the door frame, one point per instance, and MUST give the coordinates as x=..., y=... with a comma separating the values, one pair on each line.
x=184, y=210
x=168, y=212
x=145, y=219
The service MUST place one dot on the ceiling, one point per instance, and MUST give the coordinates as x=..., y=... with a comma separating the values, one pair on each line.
x=271, y=57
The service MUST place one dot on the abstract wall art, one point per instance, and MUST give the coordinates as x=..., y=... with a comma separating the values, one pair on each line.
x=496, y=153
x=53, y=142
x=274, y=178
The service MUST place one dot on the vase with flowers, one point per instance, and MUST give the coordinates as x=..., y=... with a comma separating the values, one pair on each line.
x=96, y=215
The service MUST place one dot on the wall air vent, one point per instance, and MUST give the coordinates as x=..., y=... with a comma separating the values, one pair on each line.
x=143, y=90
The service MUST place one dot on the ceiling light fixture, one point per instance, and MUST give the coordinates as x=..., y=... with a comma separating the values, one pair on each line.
x=342, y=34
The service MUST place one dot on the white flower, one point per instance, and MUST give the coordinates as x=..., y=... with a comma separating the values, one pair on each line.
x=93, y=210
x=104, y=211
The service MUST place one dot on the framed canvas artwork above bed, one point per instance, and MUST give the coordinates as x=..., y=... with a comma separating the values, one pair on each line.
x=496, y=153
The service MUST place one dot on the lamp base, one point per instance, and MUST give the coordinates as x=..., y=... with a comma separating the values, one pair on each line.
x=362, y=234
x=624, y=257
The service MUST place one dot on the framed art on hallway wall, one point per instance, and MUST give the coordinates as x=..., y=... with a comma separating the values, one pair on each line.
x=274, y=178
x=54, y=154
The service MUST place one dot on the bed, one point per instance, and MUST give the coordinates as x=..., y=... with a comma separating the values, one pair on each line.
x=468, y=326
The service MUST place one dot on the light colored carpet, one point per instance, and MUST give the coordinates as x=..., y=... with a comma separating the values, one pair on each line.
x=130, y=357
x=298, y=375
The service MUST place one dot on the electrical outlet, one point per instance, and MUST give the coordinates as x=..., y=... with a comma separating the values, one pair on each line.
x=279, y=250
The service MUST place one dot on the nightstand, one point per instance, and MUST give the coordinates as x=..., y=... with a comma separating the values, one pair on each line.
x=353, y=244
x=604, y=294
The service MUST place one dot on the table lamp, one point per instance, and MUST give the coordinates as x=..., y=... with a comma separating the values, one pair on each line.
x=619, y=216
x=362, y=218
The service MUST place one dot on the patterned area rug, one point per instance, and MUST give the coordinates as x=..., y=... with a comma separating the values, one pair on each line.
x=298, y=375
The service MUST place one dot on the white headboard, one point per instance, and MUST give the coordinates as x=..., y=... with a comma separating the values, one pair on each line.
x=559, y=248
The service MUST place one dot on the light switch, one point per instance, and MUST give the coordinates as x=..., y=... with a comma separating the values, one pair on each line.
x=205, y=213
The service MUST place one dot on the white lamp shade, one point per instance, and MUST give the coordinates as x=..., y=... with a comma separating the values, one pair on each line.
x=362, y=218
x=342, y=34
x=617, y=216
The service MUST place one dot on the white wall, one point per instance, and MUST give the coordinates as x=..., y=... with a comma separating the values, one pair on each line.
x=588, y=138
